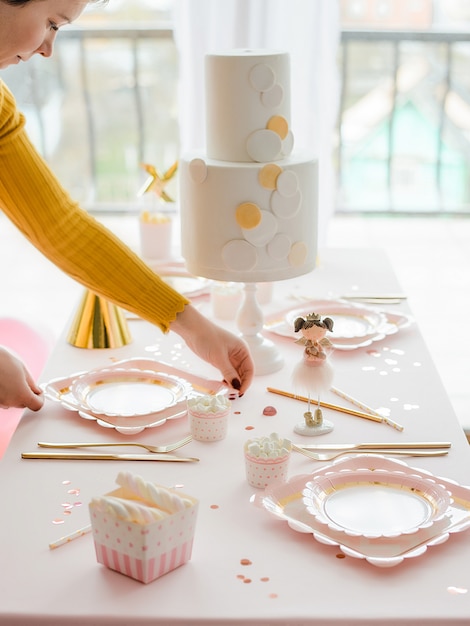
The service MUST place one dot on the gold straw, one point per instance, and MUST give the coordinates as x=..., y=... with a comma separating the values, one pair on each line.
x=341, y=409
x=68, y=538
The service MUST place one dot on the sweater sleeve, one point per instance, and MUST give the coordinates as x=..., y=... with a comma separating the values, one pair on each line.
x=34, y=200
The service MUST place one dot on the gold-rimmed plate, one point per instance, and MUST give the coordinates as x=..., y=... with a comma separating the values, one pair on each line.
x=375, y=503
x=351, y=321
x=127, y=392
x=355, y=325
x=59, y=390
x=285, y=501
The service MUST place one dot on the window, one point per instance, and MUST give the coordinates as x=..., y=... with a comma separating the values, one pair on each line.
x=106, y=101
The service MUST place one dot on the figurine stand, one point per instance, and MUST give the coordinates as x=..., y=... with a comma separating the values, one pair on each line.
x=250, y=321
x=313, y=424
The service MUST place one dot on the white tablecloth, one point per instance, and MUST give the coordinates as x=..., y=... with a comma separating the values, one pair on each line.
x=291, y=579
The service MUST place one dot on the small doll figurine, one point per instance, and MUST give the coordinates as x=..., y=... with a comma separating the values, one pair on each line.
x=313, y=335
x=314, y=373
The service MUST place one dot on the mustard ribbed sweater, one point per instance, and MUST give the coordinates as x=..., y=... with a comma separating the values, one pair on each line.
x=36, y=203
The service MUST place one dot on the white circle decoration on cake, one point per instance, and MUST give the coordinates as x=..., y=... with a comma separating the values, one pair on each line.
x=287, y=183
x=272, y=98
x=279, y=247
x=286, y=208
x=288, y=144
x=264, y=232
x=198, y=170
x=262, y=77
x=264, y=145
x=239, y=255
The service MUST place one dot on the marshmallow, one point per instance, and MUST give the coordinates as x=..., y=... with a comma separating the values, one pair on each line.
x=271, y=447
x=208, y=404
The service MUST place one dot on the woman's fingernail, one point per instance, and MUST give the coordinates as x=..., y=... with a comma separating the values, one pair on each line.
x=236, y=384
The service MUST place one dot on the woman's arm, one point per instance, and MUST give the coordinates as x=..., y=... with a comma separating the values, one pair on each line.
x=33, y=199
x=217, y=346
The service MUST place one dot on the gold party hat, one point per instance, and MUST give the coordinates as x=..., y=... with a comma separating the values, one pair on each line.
x=98, y=324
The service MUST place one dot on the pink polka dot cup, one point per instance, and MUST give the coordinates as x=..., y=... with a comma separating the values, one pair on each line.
x=208, y=417
x=267, y=461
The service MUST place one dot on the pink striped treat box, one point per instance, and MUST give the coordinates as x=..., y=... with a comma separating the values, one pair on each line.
x=144, y=551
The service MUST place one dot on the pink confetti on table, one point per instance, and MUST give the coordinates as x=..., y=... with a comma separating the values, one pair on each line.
x=269, y=410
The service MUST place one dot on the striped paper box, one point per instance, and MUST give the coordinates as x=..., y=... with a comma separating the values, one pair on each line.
x=144, y=551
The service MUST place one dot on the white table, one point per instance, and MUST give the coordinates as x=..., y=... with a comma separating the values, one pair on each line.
x=294, y=579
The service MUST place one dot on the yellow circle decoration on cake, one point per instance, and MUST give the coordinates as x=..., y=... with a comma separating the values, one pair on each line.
x=268, y=175
x=298, y=254
x=248, y=215
x=279, y=125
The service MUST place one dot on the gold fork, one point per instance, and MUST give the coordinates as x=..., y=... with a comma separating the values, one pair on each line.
x=155, y=449
x=329, y=456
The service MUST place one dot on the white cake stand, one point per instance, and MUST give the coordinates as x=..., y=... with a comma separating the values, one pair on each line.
x=250, y=321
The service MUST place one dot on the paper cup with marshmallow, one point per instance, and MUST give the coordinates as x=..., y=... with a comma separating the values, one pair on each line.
x=141, y=529
x=267, y=460
x=208, y=417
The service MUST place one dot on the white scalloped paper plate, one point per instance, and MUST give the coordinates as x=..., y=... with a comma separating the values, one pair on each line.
x=127, y=392
x=356, y=325
x=375, y=502
x=59, y=390
x=285, y=501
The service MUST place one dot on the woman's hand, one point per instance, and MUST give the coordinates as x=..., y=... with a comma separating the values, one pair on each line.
x=217, y=346
x=17, y=387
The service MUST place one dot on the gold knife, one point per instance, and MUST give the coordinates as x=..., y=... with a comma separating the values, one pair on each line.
x=414, y=445
x=89, y=456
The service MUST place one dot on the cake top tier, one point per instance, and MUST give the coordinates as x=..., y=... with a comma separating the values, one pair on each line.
x=248, y=106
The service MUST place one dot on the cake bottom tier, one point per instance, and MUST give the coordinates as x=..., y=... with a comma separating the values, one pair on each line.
x=249, y=222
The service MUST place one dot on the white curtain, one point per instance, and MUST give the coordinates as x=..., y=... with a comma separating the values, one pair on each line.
x=307, y=29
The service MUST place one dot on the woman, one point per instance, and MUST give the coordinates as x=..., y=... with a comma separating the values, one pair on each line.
x=35, y=202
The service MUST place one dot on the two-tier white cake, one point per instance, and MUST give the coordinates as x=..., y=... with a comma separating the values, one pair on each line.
x=249, y=205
